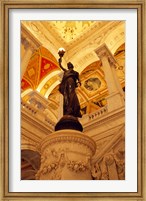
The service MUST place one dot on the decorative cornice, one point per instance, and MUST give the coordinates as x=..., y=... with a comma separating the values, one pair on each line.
x=28, y=40
x=30, y=135
x=68, y=136
x=103, y=51
x=42, y=126
x=39, y=98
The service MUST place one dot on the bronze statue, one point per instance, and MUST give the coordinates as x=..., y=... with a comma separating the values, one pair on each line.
x=67, y=88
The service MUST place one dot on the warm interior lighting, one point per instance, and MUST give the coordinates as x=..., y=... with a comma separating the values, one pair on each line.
x=61, y=51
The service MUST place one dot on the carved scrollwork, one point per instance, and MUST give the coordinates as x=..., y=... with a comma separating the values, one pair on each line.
x=112, y=166
x=120, y=163
x=109, y=159
x=104, y=170
x=96, y=171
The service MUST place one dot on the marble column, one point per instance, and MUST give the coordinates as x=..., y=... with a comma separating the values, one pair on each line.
x=115, y=99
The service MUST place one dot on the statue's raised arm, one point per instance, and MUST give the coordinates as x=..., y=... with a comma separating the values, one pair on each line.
x=60, y=61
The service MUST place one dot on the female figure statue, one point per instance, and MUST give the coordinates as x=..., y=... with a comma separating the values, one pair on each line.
x=67, y=88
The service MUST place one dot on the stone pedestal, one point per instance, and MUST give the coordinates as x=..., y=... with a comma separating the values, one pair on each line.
x=68, y=122
x=66, y=155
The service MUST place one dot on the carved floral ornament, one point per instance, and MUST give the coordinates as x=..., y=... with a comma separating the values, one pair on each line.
x=66, y=151
x=53, y=163
x=109, y=159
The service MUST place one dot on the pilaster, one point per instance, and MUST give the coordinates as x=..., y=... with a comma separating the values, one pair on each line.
x=115, y=99
x=30, y=44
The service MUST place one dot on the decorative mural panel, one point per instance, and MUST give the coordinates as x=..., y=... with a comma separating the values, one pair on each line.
x=47, y=54
x=25, y=85
x=46, y=67
x=33, y=71
x=92, y=84
x=40, y=65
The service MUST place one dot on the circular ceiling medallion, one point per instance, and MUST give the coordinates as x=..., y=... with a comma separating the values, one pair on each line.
x=92, y=84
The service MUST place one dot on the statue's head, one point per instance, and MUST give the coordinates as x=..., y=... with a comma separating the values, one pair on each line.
x=70, y=65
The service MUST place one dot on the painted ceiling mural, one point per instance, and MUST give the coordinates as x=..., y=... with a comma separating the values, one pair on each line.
x=43, y=67
x=40, y=65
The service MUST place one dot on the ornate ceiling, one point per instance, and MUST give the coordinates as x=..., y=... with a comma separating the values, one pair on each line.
x=80, y=39
x=70, y=31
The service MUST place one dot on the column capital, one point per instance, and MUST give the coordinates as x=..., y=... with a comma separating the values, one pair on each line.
x=103, y=51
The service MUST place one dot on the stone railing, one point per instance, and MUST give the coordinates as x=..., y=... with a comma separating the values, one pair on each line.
x=98, y=113
x=51, y=123
x=94, y=115
x=29, y=108
x=37, y=113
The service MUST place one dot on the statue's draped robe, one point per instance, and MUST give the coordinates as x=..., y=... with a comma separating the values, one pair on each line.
x=67, y=88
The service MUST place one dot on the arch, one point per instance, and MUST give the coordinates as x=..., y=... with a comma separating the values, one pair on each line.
x=32, y=156
x=43, y=82
x=51, y=88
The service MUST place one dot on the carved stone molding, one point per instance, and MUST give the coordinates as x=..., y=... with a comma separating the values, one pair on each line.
x=28, y=40
x=66, y=154
x=112, y=167
x=69, y=136
x=96, y=172
x=25, y=42
x=119, y=158
x=103, y=51
x=109, y=159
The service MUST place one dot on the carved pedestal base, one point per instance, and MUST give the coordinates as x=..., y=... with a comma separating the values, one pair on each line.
x=66, y=155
